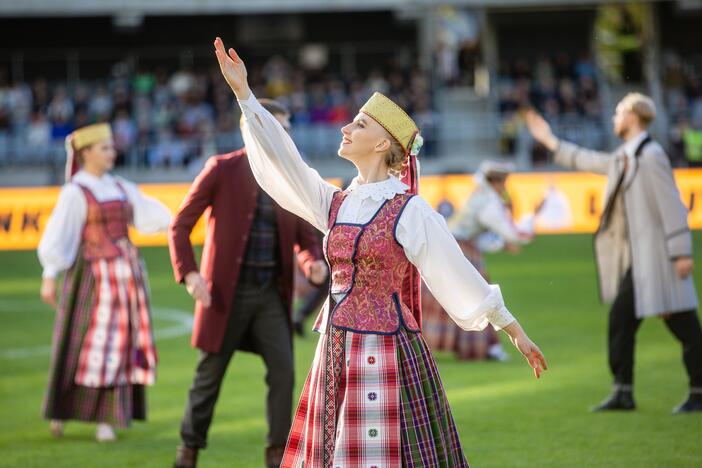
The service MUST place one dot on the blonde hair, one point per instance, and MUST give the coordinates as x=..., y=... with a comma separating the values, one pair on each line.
x=395, y=158
x=641, y=105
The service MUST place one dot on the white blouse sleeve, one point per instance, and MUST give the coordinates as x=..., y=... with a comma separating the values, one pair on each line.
x=468, y=299
x=150, y=215
x=59, y=242
x=279, y=168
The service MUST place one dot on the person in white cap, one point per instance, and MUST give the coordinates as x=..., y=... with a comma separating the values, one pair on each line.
x=483, y=224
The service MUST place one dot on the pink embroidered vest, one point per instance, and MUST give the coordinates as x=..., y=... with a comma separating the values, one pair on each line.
x=369, y=266
x=105, y=224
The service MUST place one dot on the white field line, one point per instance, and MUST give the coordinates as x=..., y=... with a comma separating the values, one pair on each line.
x=183, y=325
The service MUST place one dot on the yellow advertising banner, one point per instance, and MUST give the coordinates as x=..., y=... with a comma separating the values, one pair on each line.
x=571, y=202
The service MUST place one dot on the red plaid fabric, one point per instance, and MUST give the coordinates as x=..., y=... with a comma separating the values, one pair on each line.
x=368, y=427
x=118, y=346
x=306, y=439
x=64, y=399
x=366, y=403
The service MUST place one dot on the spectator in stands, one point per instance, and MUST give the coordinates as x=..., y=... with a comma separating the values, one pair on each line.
x=168, y=151
x=19, y=101
x=150, y=109
x=683, y=95
x=38, y=132
x=124, y=131
x=61, y=107
x=100, y=106
x=565, y=92
x=691, y=136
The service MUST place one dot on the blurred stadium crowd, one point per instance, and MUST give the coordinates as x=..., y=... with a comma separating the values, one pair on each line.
x=168, y=119
x=171, y=114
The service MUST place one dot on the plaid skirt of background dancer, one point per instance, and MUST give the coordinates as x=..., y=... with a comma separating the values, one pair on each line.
x=116, y=404
x=442, y=333
x=374, y=401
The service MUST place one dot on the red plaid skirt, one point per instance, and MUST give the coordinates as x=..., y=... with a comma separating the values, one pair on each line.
x=70, y=395
x=373, y=401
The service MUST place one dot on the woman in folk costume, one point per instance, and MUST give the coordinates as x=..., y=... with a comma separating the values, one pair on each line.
x=103, y=346
x=373, y=396
x=483, y=224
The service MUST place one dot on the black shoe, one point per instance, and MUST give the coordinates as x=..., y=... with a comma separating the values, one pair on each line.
x=622, y=400
x=186, y=457
x=691, y=405
x=274, y=456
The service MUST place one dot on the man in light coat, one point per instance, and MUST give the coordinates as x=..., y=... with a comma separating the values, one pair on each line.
x=643, y=246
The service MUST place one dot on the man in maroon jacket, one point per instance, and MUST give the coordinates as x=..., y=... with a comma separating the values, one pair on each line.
x=243, y=291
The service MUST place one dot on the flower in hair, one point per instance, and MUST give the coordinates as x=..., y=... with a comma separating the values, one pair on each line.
x=416, y=145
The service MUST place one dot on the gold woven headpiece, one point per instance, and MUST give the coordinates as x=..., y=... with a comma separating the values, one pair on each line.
x=86, y=136
x=396, y=121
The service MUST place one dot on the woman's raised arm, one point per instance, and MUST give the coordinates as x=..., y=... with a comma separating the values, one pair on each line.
x=275, y=161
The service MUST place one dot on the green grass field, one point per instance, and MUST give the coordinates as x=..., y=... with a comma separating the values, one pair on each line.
x=505, y=417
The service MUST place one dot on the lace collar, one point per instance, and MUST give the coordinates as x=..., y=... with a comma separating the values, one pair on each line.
x=387, y=189
x=86, y=178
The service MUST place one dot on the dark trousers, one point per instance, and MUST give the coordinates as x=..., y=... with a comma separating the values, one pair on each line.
x=623, y=325
x=258, y=314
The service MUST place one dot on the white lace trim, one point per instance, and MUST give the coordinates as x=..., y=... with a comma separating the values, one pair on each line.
x=378, y=191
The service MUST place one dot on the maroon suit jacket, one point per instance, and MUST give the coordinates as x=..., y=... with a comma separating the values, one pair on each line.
x=226, y=186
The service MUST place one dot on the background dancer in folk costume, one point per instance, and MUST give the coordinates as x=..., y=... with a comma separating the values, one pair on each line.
x=483, y=224
x=103, y=346
x=643, y=246
x=373, y=395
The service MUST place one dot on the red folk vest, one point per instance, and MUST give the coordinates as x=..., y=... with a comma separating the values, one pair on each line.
x=105, y=224
x=368, y=264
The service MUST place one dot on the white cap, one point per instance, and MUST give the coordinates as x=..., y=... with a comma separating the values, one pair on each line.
x=489, y=168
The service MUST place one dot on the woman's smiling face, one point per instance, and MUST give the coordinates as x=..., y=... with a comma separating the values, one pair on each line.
x=362, y=137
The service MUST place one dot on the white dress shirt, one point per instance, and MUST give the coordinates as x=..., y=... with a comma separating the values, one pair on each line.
x=59, y=243
x=429, y=245
x=632, y=145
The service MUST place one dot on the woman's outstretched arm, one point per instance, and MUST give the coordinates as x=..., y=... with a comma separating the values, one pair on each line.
x=465, y=295
x=275, y=161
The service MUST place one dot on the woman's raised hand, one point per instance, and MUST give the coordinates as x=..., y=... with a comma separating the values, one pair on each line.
x=233, y=69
